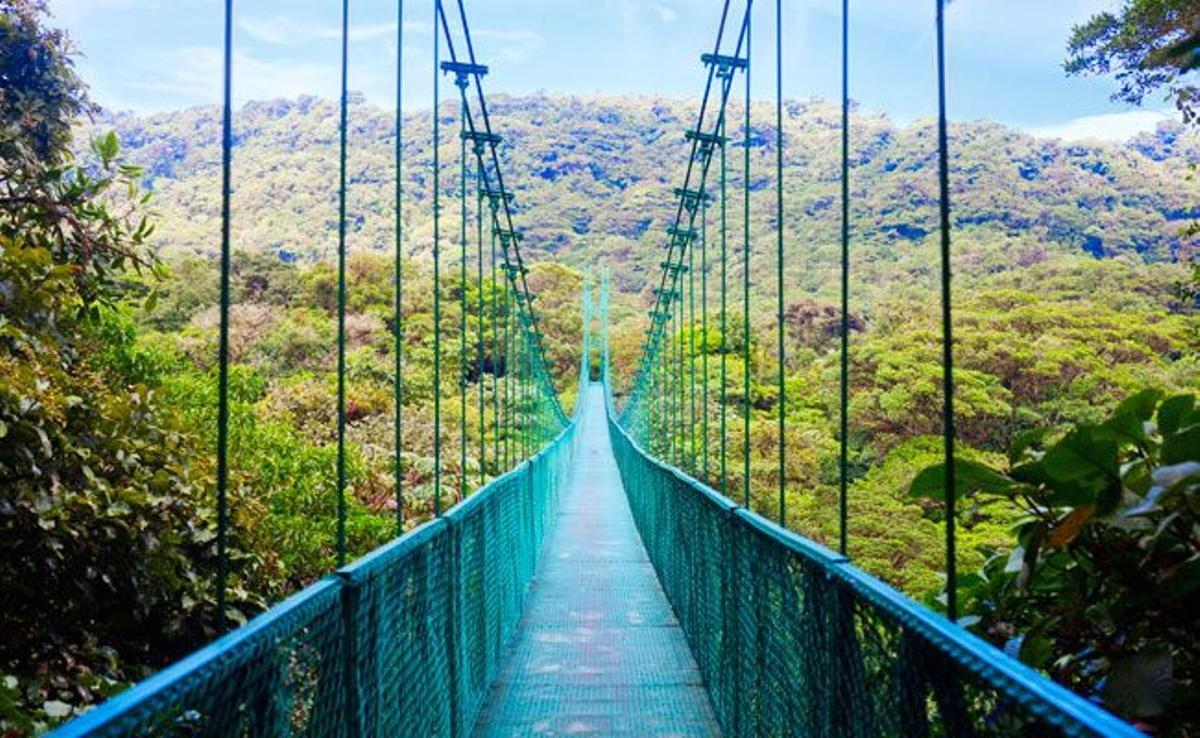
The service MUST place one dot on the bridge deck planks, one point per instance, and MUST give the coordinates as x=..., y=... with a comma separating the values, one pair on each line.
x=599, y=651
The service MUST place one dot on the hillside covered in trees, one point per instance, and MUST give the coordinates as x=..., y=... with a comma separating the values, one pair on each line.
x=1073, y=293
x=593, y=179
x=1070, y=258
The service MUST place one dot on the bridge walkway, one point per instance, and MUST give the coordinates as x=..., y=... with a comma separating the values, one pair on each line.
x=599, y=650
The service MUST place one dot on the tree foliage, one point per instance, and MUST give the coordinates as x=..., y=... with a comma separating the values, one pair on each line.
x=1149, y=45
x=105, y=526
x=41, y=97
x=1102, y=582
x=1068, y=301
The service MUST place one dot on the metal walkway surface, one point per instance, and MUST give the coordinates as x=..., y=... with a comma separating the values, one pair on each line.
x=598, y=651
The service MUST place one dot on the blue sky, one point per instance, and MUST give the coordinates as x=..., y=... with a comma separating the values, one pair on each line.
x=1006, y=55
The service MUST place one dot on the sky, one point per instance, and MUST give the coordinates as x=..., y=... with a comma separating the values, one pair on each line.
x=1005, y=56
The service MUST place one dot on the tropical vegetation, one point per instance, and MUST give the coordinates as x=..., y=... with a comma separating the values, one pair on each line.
x=1075, y=311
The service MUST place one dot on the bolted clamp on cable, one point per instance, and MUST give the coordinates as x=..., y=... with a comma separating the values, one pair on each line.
x=691, y=198
x=726, y=65
x=707, y=141
x=463, y=72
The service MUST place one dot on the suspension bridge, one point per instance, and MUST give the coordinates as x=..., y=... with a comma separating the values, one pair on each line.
x=605, y=578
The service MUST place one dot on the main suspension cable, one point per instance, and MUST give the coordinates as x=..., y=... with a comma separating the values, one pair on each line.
x=500, y=201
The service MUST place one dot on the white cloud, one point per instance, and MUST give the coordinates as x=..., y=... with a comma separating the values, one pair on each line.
x=192, y=75
x=665, y=14
x=282, y=31
x=70, y=12
x=515, y=46
x=1106, y=127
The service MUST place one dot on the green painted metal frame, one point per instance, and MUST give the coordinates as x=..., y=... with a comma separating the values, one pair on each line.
x=792, y=639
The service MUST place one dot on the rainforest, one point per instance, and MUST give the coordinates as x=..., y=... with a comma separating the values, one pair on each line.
x=1077, y=357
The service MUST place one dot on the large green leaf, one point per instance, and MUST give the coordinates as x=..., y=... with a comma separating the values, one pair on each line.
x=1176, y=413
x=1182, y=447
x=1140, y=405
x=1082, y=455
x=970, y=476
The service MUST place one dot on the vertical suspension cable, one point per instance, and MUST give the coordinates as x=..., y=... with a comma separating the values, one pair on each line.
x=606, y=327
x=746, y=285
x=669, y=382
x=499, y=469
x=479, y=327
x=673, y=378
x=660, y=402
x=223, y=341
x=519, y=409
x=724, y=317
x=522, y=415
x=691, y=353
x=527, y=390
x=664, y=400
x=398, y=378
x=675, y=344
x=462, y=298
x=844, y=430
x=437, y=285
x=533, y=397
x=341, y=317
x=508, y=377
x=779, y=259
x=681, y=370
x=948, y=430
x=704, y=335
x=518, y=420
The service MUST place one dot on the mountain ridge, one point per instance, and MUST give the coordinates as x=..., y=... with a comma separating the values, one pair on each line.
x=593, y=179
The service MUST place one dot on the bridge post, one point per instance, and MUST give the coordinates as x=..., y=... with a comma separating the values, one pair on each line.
x=454, y=629
x=352, y=724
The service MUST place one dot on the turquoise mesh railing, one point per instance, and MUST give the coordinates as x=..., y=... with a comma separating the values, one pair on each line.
x=405, y=641
x=791, y=639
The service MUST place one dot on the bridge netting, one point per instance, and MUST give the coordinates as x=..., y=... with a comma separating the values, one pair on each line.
x=789, y=637
x=793, y=640
x=406, y=641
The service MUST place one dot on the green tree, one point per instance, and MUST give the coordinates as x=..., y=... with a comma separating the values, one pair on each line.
x=41, y=97
x=1148, y=45
x=106, y=521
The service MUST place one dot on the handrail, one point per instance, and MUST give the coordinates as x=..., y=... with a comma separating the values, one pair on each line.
x=423, y=613
x=922, y=668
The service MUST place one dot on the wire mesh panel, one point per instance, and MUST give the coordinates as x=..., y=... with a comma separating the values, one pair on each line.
x=793, y=640
x=283, y=674
x=489, y=534
x=400, y=600
x=405, y=641
x=498, y=534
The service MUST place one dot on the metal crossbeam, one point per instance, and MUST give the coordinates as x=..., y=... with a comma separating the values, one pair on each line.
x=721, y=61
x=705, y=138
x=464, y=69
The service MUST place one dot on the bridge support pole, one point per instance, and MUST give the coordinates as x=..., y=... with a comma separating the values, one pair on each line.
x=455, y=627
x=352, y=723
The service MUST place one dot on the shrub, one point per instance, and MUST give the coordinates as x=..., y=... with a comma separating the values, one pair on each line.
x=1102, y=586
